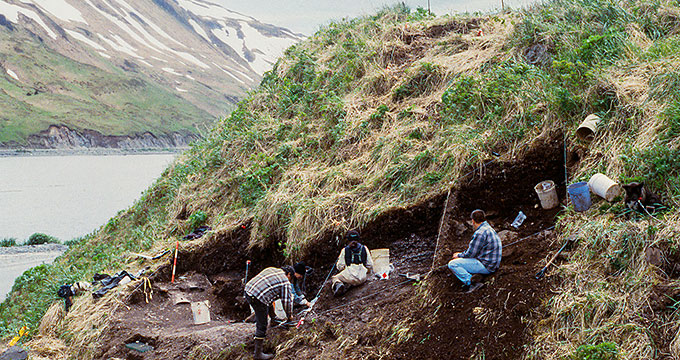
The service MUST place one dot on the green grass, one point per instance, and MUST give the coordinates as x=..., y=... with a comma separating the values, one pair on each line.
x=83, y=97
x=318, y=149
x=8, y=242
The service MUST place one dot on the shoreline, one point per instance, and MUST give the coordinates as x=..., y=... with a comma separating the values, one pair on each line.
x=88, y=151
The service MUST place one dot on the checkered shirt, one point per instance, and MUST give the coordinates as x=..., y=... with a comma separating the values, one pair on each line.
x=270, y=285
x=486, y=247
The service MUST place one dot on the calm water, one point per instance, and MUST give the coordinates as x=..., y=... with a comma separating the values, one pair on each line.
x=70, y=196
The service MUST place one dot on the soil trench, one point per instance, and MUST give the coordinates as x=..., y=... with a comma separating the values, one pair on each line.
x=397, y=318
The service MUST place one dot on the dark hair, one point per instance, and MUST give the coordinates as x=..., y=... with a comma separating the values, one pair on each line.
x=288, y=270
x=478, y=216
x=300, y=268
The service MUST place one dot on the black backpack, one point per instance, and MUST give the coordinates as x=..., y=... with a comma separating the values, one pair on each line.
x=64, y=291
x=355, y=256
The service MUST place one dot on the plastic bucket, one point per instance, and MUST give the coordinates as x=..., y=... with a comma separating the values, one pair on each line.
x=547, y=194
x=605, y=187
x=580, y=195
x=588, y=128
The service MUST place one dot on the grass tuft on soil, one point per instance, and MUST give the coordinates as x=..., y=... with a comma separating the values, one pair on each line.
x=374, y=116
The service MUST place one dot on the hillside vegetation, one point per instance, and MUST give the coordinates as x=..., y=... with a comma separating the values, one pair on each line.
x=386, y=112
x=54, y=89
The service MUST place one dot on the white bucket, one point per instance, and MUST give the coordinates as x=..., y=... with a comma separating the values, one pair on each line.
x=547, y=194
x=586, y=131
x=605, y=187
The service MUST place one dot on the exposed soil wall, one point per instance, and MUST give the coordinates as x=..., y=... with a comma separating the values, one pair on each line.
x=437, y=320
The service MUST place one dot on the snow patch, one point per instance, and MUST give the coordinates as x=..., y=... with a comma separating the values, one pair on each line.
x=80, y=37
x=60, y=9
x=190, y=77
x=171, y=71
x=125, y=48
x=211, y=11
x=180, y=89
x=159, y=59
x=271, y=47
x=104, y=55
x=12, y=12
x=12, y=74
x=199, y=29
x=230, y=74
x=191, y=58
x=151, y=24
x=229, y=36
x=244, y=75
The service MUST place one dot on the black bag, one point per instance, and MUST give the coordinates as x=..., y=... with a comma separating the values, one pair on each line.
x=64, y=291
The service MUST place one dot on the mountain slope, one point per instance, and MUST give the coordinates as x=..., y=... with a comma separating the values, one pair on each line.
x=118, y=69
x=399, y=125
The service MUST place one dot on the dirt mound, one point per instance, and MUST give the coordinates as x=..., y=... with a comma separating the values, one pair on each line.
x=396, y=317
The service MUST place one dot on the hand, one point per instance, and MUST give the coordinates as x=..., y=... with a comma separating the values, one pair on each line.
x=456, y=255
x=304, y=302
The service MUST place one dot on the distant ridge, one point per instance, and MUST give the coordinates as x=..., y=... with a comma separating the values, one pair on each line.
x=120, y=68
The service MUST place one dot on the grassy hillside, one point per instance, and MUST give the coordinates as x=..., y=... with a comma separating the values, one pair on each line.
x=388, y=111
x=53, y=89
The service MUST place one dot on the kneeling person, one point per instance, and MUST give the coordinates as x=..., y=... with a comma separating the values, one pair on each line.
x=483, y=255
x=299, y=299
x=354, y=263
x=261, y=291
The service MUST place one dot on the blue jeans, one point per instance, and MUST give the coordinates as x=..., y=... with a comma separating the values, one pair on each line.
x=463, y=268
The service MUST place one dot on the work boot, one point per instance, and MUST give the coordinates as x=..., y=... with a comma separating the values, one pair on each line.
x=473, y=287
x=259, y=355
x=338, y=289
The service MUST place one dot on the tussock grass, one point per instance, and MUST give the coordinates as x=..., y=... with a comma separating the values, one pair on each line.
x=381, y=112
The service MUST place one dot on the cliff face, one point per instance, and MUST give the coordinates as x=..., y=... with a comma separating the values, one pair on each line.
x=62, y=137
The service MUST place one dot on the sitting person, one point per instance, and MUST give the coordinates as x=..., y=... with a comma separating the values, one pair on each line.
x=354, y=263
x=483, y=255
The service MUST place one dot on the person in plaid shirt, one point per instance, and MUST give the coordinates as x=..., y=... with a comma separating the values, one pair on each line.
x=483, y=255
x=261, y=291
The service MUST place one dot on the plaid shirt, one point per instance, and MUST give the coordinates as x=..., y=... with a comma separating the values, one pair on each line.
x=486, y=247
x=270, y=285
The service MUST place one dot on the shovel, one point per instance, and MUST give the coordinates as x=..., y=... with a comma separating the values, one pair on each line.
x=541, y=273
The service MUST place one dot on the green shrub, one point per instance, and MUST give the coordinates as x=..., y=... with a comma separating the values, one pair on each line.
x=671, y=117
x=197, y=219
x=40, y=238
x=74, y=241
x=7, y=242
x=657, y=166
x=424, y=78
x=602, y=351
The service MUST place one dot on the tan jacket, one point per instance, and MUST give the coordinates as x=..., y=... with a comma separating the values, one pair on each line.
x=355, y=274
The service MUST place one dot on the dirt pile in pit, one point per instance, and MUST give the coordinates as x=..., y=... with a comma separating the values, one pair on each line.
x=397, y=318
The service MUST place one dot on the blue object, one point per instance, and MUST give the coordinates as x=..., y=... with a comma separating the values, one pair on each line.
x=580, y=195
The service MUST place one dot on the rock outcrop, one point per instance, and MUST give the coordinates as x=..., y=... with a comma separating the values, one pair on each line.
x=62, y=137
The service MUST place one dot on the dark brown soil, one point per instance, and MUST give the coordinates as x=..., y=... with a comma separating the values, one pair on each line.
x=397, y=318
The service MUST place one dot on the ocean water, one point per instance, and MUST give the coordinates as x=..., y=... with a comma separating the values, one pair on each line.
x=71, y=196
